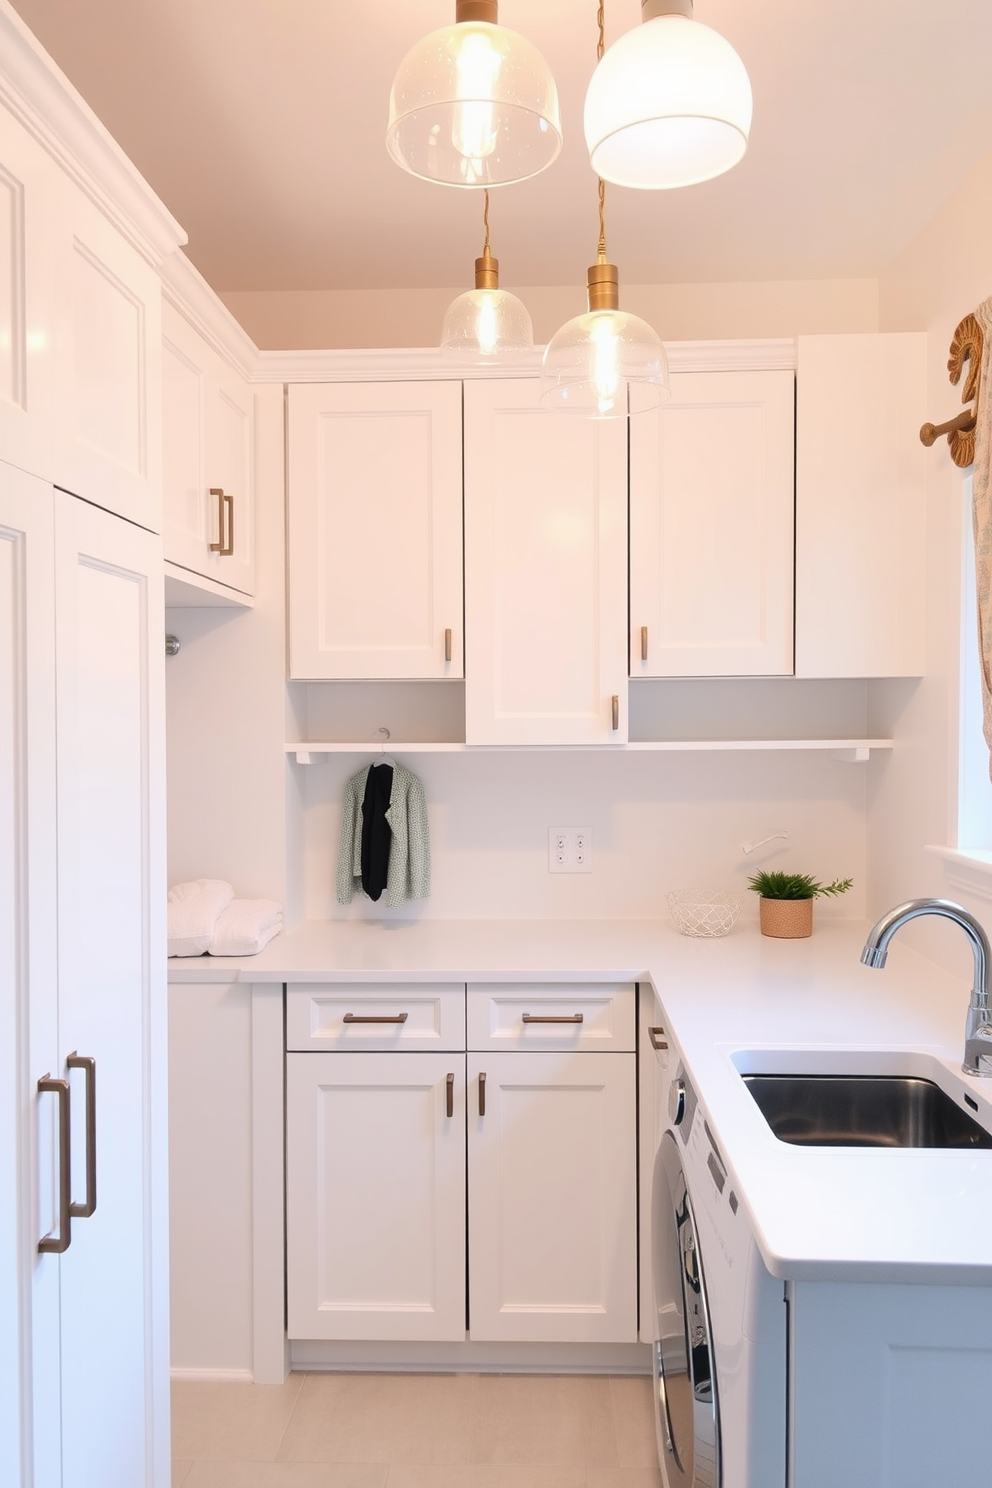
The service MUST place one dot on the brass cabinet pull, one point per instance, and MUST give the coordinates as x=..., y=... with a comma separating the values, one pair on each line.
x=449, y=1094
x=482, y=1094
x=644, y=643
x=225, y=521
x=228, y=552
x=376, y=1018
x=88, y=1065
x=56, y=1244
x=616, y=711
x=658, y=1041
x=447, y=644
x=563, y=1018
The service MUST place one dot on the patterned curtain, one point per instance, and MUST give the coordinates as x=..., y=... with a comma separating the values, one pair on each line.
x=982, y=517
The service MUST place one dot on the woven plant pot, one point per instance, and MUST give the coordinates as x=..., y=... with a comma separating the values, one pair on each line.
x=786, y=919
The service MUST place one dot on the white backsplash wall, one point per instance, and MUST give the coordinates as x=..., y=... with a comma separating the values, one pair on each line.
x=659, y=821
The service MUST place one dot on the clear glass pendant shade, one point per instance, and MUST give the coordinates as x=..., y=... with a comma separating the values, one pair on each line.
x=482, y=322
x=474, y=104
x=604, y=364
x=669, y=105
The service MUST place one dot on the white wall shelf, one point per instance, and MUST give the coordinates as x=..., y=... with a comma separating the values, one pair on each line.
x=850, y=751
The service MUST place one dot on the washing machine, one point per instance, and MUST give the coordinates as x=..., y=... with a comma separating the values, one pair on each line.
x=720, y=1319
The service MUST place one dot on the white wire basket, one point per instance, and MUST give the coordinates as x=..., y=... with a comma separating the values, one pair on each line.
x=704, y=912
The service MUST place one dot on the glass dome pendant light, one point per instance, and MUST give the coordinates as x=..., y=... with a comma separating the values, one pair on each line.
x=486, y=320
x=604, y=364
x=669, y=104
x=474, y=104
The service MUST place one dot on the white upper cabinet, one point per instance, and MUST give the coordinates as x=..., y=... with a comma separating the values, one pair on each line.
x=375, y=530
x=107, y=340
x=860, y=506
x=207, y=475
x=545, y=571
x=711, y=528
x=28, y=194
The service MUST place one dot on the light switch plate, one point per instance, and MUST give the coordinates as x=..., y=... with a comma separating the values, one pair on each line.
x=569, y=850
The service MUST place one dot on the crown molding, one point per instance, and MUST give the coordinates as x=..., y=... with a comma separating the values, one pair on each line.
x=185, y=287
x=41, y=97
x=428, y=363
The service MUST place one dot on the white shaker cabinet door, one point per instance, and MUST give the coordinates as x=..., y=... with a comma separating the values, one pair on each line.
x=111, y=997
x=207, y=465
x=375, y=1201
x=30, y=1407
x=552, y=1198
x=375, y=530
x=107, y=355
x=711, y=528
x=545, y=571
x=861, y=505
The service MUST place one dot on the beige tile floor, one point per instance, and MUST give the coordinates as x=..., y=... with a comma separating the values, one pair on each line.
x=416, y=1431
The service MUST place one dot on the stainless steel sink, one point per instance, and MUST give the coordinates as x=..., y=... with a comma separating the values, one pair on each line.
x=863, y=1111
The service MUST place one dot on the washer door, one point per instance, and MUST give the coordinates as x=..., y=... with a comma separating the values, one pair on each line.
x=686, y=1412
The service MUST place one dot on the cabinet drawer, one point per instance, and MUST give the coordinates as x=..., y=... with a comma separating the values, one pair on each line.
x=375, y=1015
x=551, y=1015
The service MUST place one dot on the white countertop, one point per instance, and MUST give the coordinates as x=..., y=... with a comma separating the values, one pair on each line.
x=818, y=1213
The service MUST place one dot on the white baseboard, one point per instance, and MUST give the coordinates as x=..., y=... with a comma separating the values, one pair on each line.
x=213, y=1376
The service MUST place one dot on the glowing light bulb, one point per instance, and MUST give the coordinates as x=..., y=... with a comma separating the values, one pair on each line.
x=606, y=369
x=486, y=328
x=473, y=131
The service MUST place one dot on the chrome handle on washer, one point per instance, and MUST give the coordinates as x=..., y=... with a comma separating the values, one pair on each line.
x=666, y=1417
x=676, y=1102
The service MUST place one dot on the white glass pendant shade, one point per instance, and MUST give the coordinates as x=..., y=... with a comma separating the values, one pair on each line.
x=604, y=364
x=669, y=105
x=482, y=322
x=474, y=104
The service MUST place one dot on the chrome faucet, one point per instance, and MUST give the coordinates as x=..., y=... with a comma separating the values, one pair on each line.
x=978, y=1027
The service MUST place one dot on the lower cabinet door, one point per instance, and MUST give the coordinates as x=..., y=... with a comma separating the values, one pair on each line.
x=552, y=1198
x=376, y=1196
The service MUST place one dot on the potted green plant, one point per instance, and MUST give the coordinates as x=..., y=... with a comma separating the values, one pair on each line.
x=787, y=901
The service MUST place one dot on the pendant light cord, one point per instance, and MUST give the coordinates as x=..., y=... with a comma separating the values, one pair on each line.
x=485, y=224
x=600, y=49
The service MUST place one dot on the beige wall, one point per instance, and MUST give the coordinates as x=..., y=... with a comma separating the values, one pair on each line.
x=278, y=320
x=942, y=275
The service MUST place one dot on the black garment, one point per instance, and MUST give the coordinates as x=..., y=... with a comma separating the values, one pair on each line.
x=377, y=836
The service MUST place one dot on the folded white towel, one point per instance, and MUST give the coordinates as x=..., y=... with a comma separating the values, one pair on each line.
x=245, y=926
x=194, y=909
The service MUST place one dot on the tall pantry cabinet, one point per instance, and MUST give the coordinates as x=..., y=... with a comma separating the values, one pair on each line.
x=83, y=1233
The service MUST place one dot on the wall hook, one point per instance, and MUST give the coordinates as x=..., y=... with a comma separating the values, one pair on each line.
x=750, y=847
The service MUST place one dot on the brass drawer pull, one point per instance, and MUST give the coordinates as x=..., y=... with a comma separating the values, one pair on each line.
x=56, y=1244
x=563, y=1018
x=644, y=643
x=482, y=1094
x=447, y=645
x=88, y=1064
x=616, y=712
x=449, y=1095
x=658, y=1041
x=225, y=518
x=376, y=1017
